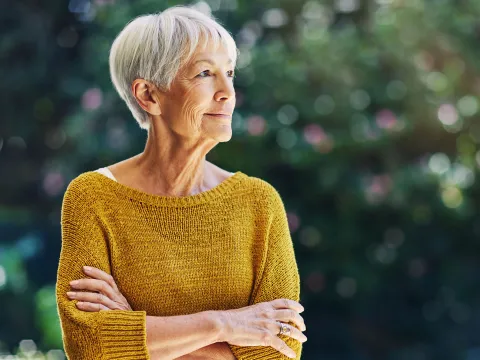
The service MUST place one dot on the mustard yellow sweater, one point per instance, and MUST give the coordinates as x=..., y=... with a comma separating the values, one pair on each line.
x=224, y=248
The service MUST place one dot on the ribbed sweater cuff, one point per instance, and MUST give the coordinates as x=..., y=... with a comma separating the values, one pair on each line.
x=123, y=334
x=262, y=352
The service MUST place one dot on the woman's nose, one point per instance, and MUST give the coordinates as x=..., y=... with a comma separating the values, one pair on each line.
x=225, y=93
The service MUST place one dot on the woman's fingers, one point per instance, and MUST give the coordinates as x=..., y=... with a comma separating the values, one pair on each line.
x=103, y=295
x=290, y=315
x=91, y=307
x=287, y=304
x=100, y=275
x=294, y=332
x=94, y=298
x=280, y=345
x=94, y=285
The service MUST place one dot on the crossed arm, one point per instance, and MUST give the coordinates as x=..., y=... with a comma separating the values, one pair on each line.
x=104, y=295
x=89, y=333
x=215, y=351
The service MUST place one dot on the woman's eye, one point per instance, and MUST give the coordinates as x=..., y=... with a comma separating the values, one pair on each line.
x=203, y=72
x=207, y=72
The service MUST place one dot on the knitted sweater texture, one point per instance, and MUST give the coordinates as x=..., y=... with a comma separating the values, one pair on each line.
x=225, y=248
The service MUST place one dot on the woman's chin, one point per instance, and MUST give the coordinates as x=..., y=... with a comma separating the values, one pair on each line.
x=220, y=132
x=223, y=136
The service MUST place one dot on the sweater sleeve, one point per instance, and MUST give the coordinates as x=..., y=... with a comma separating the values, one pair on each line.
x=280, y=279
x=111, y=334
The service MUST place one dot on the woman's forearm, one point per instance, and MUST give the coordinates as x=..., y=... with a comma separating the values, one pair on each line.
x=217, y=351
x=171, y=337
x=220, y=350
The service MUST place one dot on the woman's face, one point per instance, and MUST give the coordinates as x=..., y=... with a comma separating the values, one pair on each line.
x=202, y=88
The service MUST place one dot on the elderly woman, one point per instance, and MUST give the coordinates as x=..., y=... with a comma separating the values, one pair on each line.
x=165, y=255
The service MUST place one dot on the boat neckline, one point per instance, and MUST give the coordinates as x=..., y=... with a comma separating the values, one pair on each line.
x=219, y=190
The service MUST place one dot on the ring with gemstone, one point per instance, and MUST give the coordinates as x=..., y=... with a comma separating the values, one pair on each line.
x=284, y=329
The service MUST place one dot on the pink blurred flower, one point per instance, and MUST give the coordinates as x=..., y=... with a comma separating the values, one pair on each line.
x=316, y=281
x=293, y=221
x=256, y=125
x=53, y=183
x=378, y=188
x=386, y=119
x=104, y=2
x=314, y=134
x=92, y=99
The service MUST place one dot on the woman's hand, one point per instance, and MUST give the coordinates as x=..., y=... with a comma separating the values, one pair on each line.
x=104, y=293
x=259, y=324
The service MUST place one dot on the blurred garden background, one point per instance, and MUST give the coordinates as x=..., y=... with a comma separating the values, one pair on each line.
x=364, y=114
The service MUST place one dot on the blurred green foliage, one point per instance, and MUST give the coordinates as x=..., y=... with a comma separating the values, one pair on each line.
x=366, y=117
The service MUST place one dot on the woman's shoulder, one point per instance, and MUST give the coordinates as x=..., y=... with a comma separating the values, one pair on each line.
x=261, y=189
x=256, y=187
x=83, y=187
x=83, y=180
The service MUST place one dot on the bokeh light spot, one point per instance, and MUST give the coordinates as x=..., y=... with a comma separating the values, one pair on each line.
x=256, y=125
x=310, y=236
x=324, y=104
x=275, y=18
x=439, y=163
x=287, y=114
x=286, y=138
x=386, y=119
x=293, y=221
x=452, y=197
x=315, y=281
x=92, y=99
x=467, y=105
x=447, y=114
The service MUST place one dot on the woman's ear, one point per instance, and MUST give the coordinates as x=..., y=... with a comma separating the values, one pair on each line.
x=146, y=95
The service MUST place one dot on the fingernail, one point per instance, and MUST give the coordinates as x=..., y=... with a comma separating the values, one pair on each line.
x=71, y=293
x=75, y=282
x=87, y=268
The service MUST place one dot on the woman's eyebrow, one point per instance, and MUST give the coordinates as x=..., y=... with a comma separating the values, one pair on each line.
x=211, y=62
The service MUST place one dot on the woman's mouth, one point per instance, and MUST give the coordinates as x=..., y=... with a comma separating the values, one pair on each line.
x=220, y=116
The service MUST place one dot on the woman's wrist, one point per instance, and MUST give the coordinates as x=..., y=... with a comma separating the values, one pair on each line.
x=217, y=318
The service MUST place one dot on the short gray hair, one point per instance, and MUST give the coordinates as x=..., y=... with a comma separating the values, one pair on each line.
x=155, y=46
